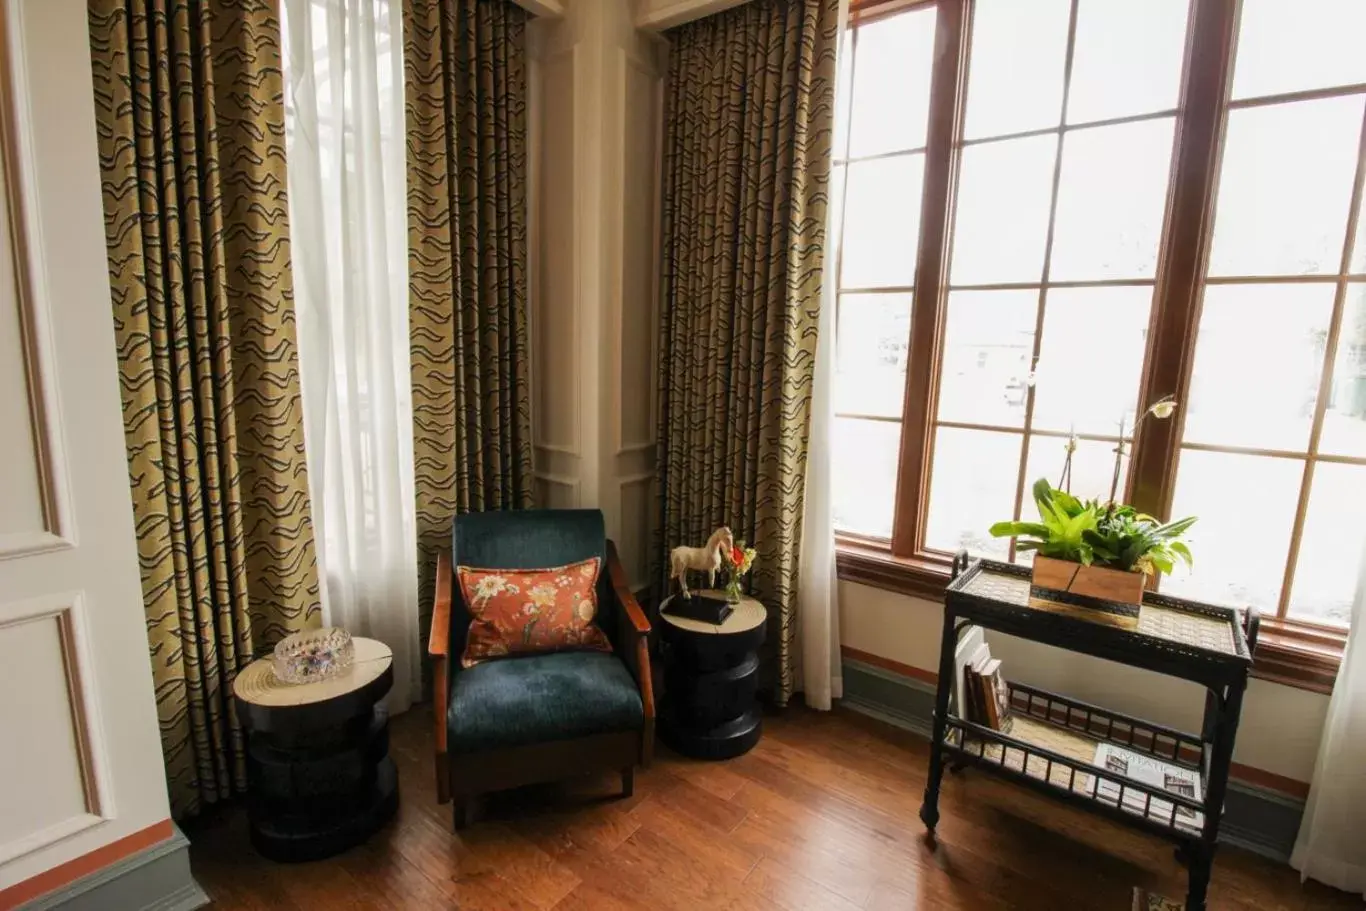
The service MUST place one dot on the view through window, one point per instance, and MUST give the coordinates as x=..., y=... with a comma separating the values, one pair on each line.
x=1052, y=133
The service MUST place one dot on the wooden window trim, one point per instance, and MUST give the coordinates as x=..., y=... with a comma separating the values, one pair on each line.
x=1290, y=651
x=948, y=101
x=864, y=11
x=1187, y=234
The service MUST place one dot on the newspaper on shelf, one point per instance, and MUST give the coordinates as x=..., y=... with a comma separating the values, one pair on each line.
x=1154, y=772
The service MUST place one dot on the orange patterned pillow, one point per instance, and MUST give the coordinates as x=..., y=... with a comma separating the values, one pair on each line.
x=531, y=611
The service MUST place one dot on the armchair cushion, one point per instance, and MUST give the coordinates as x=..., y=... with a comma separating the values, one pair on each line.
x=525, y=700
x=531, y=611
x=528, y=539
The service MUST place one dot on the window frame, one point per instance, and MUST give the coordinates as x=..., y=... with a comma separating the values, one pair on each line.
x=1293, y=651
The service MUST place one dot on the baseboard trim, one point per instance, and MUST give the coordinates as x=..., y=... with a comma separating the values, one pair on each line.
x=156, y=878
x=1256, y=818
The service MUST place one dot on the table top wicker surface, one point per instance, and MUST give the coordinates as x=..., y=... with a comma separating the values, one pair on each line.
x=1189, y=628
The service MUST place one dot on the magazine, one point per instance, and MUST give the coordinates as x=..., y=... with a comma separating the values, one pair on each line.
x=1151, y=771
x=1151, y=901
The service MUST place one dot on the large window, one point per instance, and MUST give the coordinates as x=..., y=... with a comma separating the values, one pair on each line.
x=1052, y=213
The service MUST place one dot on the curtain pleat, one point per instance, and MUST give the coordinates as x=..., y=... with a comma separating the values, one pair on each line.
x=466, y=103
x=750, y=115
x=190, y=118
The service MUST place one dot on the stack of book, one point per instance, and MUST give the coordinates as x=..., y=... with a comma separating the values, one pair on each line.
x=983, y=697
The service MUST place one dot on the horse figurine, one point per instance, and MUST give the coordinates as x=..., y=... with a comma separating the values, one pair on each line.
x=706, y=558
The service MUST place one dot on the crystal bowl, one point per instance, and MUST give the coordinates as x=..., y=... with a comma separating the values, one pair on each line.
x=314, y=655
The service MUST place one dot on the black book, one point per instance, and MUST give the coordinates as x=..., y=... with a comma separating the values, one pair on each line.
x=701, y=608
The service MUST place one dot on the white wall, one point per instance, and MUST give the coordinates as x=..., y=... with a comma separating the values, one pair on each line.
x=596, y=122
x=1281, y=725
x=80, y=756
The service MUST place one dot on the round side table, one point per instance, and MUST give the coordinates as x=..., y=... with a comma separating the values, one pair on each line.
x=318, y=768
x=711, y=678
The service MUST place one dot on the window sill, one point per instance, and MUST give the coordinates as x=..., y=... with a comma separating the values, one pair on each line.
x=1299, y=655
x=1288, y=653
x=868, y=565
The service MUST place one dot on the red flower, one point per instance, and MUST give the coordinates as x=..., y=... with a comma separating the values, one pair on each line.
x=737, y=556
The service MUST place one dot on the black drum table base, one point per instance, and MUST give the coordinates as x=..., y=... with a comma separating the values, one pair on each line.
x=319, y=775
x=725, y=741
x=711, y=677
x=309, y=803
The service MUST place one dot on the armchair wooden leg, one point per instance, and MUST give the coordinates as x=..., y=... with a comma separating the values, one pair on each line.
x=628, y=781
x=443, y=778
x=465, y=809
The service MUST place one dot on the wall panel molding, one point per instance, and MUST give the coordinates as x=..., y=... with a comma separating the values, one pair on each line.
x=556, y=324
x=547, y=482
x=627, y=358
x=637, y=527
x=558, y=449
x=18, y=173
x=67, y=611
x=657, y=15
x=551, y=8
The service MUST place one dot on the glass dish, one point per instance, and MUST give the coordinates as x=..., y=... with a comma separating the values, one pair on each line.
x=314, y=655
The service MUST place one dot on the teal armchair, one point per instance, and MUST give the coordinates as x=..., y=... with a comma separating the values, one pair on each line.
x=516, y=721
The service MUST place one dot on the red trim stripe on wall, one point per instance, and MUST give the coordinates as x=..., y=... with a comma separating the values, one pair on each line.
x=74, y=869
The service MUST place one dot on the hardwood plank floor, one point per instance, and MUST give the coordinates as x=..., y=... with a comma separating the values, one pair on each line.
x=821, y=816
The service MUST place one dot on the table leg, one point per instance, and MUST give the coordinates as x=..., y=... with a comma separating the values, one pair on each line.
x=929, y=810
x=1202, y=863
x=1226, y=712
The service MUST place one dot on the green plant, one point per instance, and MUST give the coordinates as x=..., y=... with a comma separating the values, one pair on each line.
x=1113, y=535
x=1061, y=531
x=1130, y=540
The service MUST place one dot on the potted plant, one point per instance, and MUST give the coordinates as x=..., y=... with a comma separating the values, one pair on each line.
x=1097, y=555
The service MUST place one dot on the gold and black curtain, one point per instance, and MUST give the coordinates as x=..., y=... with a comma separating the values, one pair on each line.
x=190, y=114
x=749, y=120
x=466, y=105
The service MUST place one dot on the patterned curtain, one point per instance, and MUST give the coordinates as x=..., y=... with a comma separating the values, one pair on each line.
x=749, y=119
x=465, y=63
x=191, y=135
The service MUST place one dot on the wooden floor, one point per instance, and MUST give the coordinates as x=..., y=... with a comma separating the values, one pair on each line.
x=820, y=816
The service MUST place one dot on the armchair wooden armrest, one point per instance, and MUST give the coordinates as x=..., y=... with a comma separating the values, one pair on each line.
x=633, y=631
x=438, y=647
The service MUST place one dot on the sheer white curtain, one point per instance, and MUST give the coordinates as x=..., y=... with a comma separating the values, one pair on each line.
x=818, y=606
x=348, y=233
x=1330, y=847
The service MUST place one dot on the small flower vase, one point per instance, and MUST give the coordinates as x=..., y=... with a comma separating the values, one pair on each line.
x=733, y=592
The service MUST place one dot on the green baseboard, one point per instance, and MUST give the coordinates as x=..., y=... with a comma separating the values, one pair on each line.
x=154, y=879
x=1256, y=819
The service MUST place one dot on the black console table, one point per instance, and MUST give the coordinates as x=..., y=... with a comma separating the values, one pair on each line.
x=711, y=677
x=319, y=776
x=1052, y=744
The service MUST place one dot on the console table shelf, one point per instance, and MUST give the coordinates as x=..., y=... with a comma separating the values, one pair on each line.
x=1052, y=744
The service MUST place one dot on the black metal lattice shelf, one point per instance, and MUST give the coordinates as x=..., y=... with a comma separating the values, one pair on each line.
x=1052, y=743
x=1051, y=747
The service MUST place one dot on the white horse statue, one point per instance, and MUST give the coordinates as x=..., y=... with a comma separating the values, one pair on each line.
x=706, y=558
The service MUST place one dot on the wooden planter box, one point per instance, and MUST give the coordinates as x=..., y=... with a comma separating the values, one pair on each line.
x=1113, y=594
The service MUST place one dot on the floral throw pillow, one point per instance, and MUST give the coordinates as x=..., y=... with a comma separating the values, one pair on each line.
x=531, y=611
